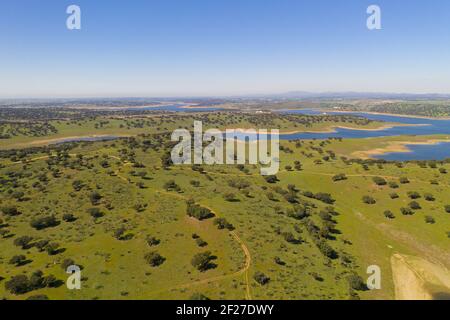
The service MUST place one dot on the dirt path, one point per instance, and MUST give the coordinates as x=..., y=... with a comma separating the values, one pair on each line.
x=418, y=279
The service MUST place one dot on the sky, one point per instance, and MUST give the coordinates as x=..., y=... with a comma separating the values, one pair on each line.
x=147, y=48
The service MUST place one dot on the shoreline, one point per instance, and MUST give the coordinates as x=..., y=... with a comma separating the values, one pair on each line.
x=396, y=147
x=332, y=129
x=389, y=114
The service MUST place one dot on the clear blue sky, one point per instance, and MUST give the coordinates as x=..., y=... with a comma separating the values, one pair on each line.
x=222, y=47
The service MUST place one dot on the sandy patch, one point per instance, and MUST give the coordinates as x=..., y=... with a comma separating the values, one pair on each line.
x=419, y=279
x=395, y=146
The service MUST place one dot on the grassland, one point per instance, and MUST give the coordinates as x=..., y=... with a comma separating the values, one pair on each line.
x=309, y=245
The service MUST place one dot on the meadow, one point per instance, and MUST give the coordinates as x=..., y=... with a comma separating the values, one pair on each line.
x=143, y=228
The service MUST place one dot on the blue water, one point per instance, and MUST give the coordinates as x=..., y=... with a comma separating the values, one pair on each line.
x=423, y=127
x=176, y=108
x=439, y=151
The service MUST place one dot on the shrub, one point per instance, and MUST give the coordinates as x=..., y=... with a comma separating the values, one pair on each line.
x=95, y=198
x=95, y=213
x=379, y=181
x=413, y=195
x=389, y=214
x=44, y=222
x=203, y=261
x=430, y=220
x=152, y=241
x=415, y=205
x=222, y=223
x=404, y=180
x=68, y=217
x=339, y=177
x=447, y=208
x=154, y=259
x=407, y=211
x=198, y=212
x=356, y=282
x=394, y=195
x=261, y=278
x=23, y=242
x=429, y=197
x=199, y=297
x=271, y=179
x=10, y=211
x=18, y=260
x=393, y=185
x=369, y=200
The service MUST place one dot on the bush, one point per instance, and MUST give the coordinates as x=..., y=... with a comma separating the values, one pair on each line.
x=393, y=185
x=18, y=260
x=198, y=212
x=369, y=200
x=68, y=217
x=222, y=223
x=413, y=195
x=203, y=261
x=23, y=242
x=44, y=222
x=154, y=259
x=10, y=211
x=152, y=241
x=95, y=198
x=199, y=297
x=356, y=282
x=404, y=180
x=394, y=195
x=407, y=211
x=429, y=197
x=339, y=177
x=415, y=205
x=430, y=220
x=261, y=278
x=447, y=208
x=95, y=213
x=379, y=181
x=389, y=214
x=271, y=179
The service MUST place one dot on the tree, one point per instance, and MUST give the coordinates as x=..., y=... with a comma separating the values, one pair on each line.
x=369, y=200
x=10, y=211
x=271, y=179
x=222, y=223
x=152, y=241
x=203, y=261
x=415, y=205
x=198, y=212
x=18, y=260
x=404, y=180
x=23, y=242
x=429, y=197
x=407, y=211
x=44, y=222
x=413, y=195
x=77, y=185
x=229, y=197
x=18, y=284
x=95, y=213
x=154, y=259
x=393, y=185
x=339, y=177
x=389, y=214
x=95, y=198
x=69, y=217
x=356, y=282
x=261, y=278
x=394, y=195
x=379, y=181
x=447, y=208
x=430, y=220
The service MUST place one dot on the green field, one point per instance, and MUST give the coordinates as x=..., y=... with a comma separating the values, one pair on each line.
x=308, y=235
